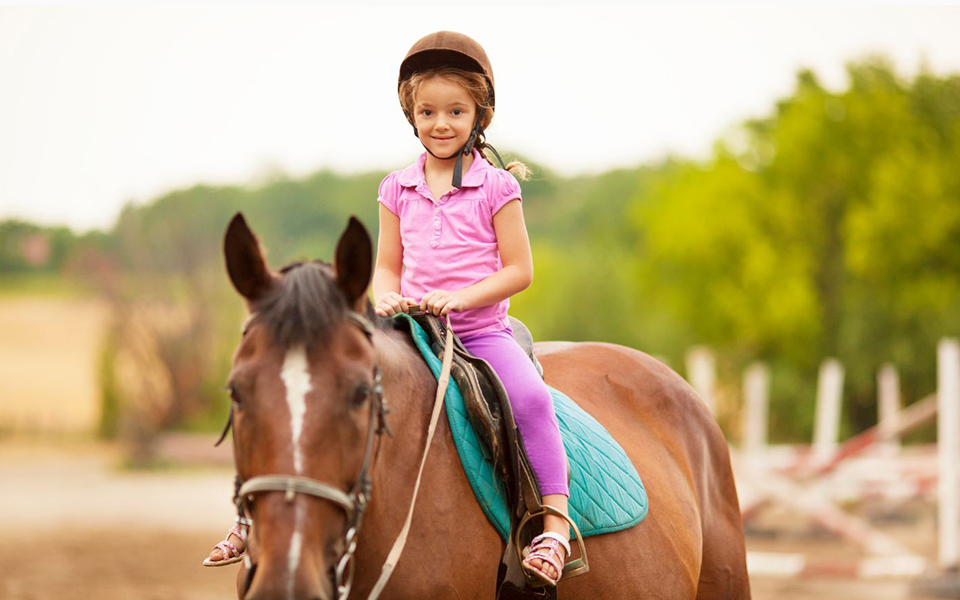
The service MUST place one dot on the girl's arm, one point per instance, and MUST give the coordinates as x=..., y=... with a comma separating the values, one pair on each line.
x=517, y=271
x=386, y=272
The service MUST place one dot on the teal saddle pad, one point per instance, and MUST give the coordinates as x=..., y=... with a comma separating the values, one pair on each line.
x=606, y=493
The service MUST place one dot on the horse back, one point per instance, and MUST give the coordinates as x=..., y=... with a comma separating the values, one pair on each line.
x=694, y=528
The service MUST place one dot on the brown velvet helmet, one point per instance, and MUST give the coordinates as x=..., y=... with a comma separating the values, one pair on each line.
x=451, y=49
x=446, y=49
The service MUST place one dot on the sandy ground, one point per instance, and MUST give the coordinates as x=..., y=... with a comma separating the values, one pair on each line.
x=111, y=564
x=78, y=526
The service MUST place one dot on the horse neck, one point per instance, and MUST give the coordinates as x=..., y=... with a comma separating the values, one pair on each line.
x=409, y=390
x=445, y=505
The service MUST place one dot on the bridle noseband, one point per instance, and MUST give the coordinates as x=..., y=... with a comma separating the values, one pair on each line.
x=353, y=502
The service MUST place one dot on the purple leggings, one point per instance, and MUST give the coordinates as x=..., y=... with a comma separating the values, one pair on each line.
x=531, y=403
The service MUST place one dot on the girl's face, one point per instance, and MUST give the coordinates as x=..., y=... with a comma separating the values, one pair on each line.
x=444, y=113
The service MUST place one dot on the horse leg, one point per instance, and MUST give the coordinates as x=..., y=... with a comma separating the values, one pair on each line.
x=243, y=582
x=659, y=558
x=723, y=572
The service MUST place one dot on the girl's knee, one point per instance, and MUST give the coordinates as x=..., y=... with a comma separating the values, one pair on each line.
x=532, y=402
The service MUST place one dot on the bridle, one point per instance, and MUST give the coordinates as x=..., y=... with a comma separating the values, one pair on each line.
x=353, y=503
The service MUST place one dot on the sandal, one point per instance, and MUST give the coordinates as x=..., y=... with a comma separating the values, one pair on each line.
x=229, y=552
x=546, y=547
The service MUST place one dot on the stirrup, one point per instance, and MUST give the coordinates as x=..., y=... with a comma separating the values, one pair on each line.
x=572, y=568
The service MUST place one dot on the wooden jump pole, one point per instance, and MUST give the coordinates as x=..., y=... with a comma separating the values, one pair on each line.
x=945, y=583
x=756, y=391
x=702, y=374
x=888, y=396
x=917, y=414
x=829, y=400
x=948, y=450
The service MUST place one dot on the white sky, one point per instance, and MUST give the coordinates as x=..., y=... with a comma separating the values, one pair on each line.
x=99, y=106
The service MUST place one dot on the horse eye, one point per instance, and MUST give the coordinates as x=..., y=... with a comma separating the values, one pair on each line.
x=360, y=395
x=234, y=396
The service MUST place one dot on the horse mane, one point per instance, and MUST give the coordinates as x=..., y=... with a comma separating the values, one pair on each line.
x=307, y=305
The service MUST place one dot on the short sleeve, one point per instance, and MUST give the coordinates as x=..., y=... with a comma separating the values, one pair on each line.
x=389, y=192
x=505, y=189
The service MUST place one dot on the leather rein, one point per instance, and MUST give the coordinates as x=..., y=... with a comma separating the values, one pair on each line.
x=354, y=502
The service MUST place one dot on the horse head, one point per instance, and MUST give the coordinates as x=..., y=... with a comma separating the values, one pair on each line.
x=305, y=405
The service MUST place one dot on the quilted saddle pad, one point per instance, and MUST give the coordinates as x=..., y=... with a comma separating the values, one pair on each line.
x=606, y=493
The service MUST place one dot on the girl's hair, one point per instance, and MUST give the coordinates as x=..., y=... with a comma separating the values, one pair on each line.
x=476, y=86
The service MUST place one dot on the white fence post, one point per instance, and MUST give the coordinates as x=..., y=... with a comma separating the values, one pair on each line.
x=756, y=391
x=829, y=400
x=888, y=393
x=702, y=374
x=948, y=449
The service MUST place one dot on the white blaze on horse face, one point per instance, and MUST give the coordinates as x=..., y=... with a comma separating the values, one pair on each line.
x=296, y=377
x=293, y=558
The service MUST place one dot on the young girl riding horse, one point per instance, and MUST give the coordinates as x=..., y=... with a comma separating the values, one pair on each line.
x=453, y=242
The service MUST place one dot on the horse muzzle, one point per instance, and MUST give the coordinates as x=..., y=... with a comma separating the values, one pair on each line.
x=288, y=559
x=267, y=585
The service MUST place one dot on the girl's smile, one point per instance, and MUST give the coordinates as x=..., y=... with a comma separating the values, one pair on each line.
x=444, y=114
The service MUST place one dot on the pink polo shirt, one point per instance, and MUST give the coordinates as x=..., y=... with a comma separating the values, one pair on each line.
x=449, y=243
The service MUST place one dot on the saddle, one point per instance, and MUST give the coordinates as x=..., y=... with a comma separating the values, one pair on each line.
x=489, y=412
x=483, y=393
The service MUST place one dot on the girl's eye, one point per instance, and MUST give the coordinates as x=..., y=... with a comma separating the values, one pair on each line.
x=425, y=112
x=457, y=112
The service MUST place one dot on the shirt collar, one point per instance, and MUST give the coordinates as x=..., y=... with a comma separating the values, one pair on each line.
x=413, y=176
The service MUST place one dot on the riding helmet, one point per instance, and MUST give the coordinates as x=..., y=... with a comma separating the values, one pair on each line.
x=450, y=49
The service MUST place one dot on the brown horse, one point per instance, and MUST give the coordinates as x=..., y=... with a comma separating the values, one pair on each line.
x=303, y=384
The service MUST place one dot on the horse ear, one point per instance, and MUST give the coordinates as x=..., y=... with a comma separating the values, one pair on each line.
x=245, y=264
x=354, y=263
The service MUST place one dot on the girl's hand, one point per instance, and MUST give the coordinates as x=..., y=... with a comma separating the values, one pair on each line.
x=441, y=302
x=393, y=303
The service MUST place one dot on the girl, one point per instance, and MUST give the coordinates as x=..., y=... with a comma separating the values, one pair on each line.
x=453, y=241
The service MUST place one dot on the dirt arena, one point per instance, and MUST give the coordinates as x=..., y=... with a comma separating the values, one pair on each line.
x=80, y=527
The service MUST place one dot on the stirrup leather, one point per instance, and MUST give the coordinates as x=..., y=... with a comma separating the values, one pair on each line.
x=572, y=568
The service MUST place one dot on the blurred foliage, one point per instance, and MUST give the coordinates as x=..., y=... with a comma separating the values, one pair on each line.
x=827, y=228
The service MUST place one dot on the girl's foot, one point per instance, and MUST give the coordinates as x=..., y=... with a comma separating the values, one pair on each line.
x=231, y=549
x=545, y=556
